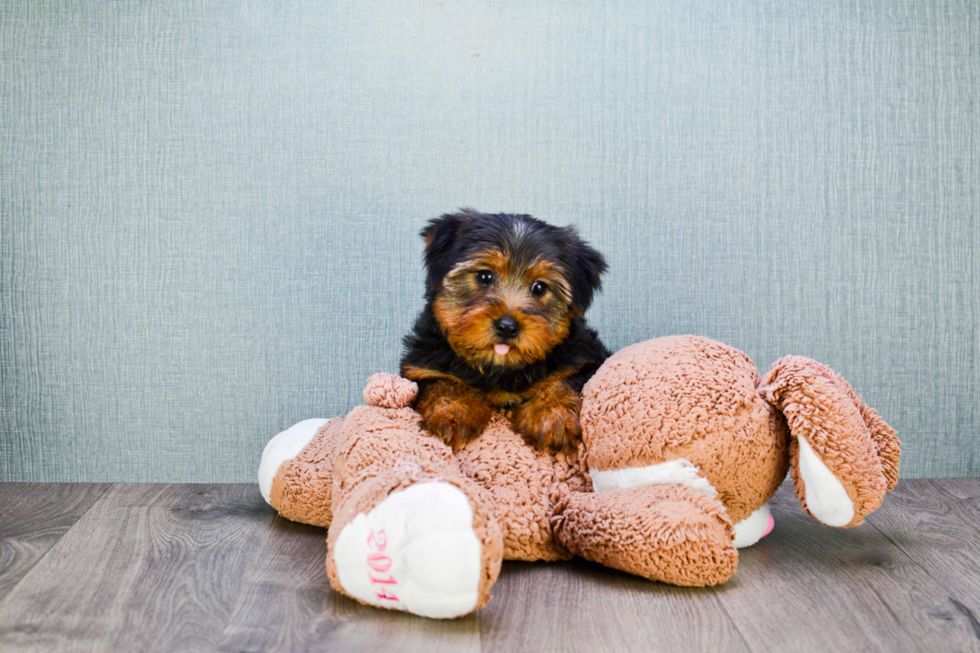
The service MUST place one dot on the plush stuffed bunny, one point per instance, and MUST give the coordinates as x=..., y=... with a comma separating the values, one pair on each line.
x=682, y=446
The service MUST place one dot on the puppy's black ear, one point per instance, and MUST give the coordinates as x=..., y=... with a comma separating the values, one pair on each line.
x=587, y=266
x=441, y=241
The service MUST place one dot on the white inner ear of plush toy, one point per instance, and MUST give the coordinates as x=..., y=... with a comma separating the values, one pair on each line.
x=826, y=497
x=283, y=447
x=415, y=551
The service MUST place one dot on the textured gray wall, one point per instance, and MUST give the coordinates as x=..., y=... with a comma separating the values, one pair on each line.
x=209, y=210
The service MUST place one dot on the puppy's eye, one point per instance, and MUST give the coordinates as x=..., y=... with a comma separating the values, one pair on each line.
x=539, y=288
x=484, y=277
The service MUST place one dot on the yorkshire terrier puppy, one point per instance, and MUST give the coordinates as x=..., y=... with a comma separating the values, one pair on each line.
x=503, y=327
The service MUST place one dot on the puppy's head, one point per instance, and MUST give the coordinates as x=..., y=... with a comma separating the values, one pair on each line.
x=505, y=287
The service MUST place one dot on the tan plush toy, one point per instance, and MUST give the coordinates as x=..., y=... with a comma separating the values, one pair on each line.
x=683, y=444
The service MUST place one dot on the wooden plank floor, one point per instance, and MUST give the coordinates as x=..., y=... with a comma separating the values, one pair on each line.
x=211, y=568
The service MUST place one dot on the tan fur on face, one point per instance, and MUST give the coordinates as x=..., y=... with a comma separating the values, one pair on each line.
x=467, y=311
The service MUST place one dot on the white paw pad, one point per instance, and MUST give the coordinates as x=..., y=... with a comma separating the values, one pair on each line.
x=826, y=497
x=285, y=446
x=415, y=551
x=753, y=528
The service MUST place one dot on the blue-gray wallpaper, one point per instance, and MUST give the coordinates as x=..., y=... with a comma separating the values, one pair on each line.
x=209, y=210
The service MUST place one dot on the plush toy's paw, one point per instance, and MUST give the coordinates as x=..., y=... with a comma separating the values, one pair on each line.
x=668, y=533
x=389, y=391
x=296, y=472
x=843, y=457
x=453, y=412
x=415, y=551
x=550, y=418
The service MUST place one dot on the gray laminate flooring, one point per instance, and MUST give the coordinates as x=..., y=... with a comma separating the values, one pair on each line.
x=212, y=568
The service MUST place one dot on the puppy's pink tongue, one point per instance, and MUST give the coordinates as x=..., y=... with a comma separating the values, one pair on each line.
x=501, y=348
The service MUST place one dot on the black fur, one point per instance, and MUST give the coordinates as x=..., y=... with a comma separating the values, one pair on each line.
x=453, y=237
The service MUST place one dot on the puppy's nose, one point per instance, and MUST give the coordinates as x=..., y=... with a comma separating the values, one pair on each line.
x=506, y=327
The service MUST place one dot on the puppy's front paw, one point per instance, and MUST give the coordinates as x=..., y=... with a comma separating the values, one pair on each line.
x=453, y=413
x=454, y=423
x=549, y=420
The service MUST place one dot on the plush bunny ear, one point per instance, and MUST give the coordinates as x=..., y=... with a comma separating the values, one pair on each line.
x=587, y=266
x=441, y=245
x=843, y=456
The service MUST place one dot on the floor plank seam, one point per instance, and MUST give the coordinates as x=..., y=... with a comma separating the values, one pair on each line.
x=245, y=580
x=732, y=621
x=13, y=590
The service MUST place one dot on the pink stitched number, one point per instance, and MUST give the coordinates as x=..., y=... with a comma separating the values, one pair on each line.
x=380, y=563
x=379, y=541
x=383, y=594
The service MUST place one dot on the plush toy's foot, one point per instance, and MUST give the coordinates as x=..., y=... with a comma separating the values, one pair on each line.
x=668, y=533
x=843, y=457
x=296, y=472
x=680, y=471
x=415, y=551
x=754, y=527
x=297, y=469
x=410, y=540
